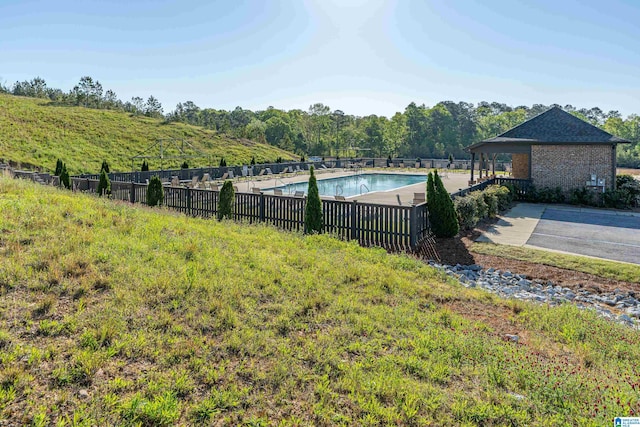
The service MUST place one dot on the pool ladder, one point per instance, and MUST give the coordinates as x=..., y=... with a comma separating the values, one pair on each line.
x=365, y=187
x=283, y=184
x=339, y=187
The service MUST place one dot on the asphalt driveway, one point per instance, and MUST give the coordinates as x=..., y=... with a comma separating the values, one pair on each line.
x=603, y=234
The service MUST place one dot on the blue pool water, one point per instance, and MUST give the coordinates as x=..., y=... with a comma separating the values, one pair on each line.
x=355, y=185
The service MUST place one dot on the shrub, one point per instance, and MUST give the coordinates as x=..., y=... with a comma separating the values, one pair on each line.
x=225, y=204
x=491, y=201
x=184, y=165
x=302, y=159
x=617, y=199
x=253, y=161
x=442, y=214
x=581, y=196
x=548, y=195
x=104, y=185
x=65, y=181
x=223, y=162
x=145, y=166
x=155, y=192
x=389, y=161
x=503, y=195
x=58, y=170
x=631, y=186
x=313, y=208
x=104, y=166
x=482, y=210
x=466, y=211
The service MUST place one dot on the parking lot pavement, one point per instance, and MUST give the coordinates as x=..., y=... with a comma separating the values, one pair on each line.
x=604, y=234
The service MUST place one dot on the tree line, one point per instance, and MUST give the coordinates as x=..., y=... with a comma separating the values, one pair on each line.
x=419, y=131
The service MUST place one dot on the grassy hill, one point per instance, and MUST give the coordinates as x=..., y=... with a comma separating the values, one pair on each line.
x=119, y=315
x=37, y=132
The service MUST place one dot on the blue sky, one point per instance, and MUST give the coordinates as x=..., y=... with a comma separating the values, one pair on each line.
x=360, y=56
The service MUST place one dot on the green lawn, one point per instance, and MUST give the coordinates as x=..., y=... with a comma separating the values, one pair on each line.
x=599, y=267
x=35, y=132
x=119, y=315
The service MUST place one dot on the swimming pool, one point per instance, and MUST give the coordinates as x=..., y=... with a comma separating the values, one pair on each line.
x=355, y=185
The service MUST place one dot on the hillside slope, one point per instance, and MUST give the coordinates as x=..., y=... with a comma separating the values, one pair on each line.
x=119, y=315
x=37, y=132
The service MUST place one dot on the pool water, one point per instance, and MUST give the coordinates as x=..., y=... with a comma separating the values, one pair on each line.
x=355, y=185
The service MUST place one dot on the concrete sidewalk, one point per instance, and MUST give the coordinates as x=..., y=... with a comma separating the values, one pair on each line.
x=514, y=227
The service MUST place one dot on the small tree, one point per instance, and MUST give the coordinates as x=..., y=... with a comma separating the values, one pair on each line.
x=185, y=165
x=302, y=159
x=58, y=167
x=225, y=205
x=223, y=162
x=65, y=181
x=253, y=161
x=105, y=166
x=104, y=185
x=145, y=166
x=446, y=222
x=155, y=192
x=313, y=208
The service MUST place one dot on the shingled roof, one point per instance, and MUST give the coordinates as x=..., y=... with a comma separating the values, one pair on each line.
x=554, y=126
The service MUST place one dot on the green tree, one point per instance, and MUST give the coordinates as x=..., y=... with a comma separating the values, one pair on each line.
x=225, y=203
x=184, y=165
x=104, y=166
x=145, y=166
x=65, y=181
x=155, y=192
x=104, y=185
x=58, y=170
x=442, y=214
x=313, y=208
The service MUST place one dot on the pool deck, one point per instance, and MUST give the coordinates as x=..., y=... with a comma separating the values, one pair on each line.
x=452, y=182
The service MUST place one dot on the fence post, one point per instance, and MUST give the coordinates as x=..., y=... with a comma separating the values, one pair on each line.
x=413, y=227
x=132, y=197
x=354, y=218
x=188, y=201
x=261, y=208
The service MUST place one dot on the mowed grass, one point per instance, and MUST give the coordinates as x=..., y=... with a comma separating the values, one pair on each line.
x=36, y=132
x=119, y=315
x=599, y=267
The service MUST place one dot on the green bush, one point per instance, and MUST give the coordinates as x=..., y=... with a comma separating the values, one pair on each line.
x=104, y=185
x=442, y=214
x=145, y=166
x=155, y=192
x=581, y=196
x=104, y=166
x=184, y=165
x=65, y=181
x=225, y=203
x=466, y=211
x=491, y=200
x=482, y=210
x=58, y=170
x=617, y=199
x=547, y=195
x=503, y=195
x=631, y=186
x=223, y=162
x=313, y=209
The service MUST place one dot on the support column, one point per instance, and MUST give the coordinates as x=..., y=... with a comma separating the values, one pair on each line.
x=473, y=160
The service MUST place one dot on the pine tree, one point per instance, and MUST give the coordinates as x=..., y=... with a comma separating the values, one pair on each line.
x=104, y=185
x=313, y=209
x=448, y=220
x=185, y=165
x=155, y=192
x=65, y=181
x=223, y=162
x=105, y=166
x=225, y=204
x=58, y=168
x=253, y=161
x=432, y=203
x=145, y=166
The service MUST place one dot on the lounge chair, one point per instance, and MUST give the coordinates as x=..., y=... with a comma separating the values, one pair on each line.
x=298, y=194
x=341, y=198
x=261, y=174
x=175, y=181
x=214, y=187
x=268, y=171
x=224, y=176
x=277, y=192
x=231, y=176
x=256, y=190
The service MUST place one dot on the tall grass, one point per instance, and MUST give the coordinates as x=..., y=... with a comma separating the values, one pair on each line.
x=36, y=132
x=116, y=315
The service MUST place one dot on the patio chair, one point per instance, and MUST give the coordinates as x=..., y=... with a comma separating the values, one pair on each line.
x=298, y=194
x=224, y=176
x=341, y=198
x=256, y=190
x=261, y=174
x=194, y=182
x=277, y=192
x=231, y=176
x=175, y=181
x=214, y=187
x=268, y=171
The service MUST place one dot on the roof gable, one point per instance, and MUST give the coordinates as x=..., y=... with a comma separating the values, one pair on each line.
x=555, y=126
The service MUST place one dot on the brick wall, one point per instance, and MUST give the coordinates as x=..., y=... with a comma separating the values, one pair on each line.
x=569, y=166
x=520, y=165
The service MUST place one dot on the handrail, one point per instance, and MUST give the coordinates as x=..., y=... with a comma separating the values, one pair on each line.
x=339, y=186
x=365, y=186
x=283, y=184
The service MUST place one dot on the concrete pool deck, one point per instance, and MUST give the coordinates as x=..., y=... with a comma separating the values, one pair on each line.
x=453, y=181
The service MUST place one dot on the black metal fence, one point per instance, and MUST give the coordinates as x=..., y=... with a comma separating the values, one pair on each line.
x=276, y=168
x=389, y=226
